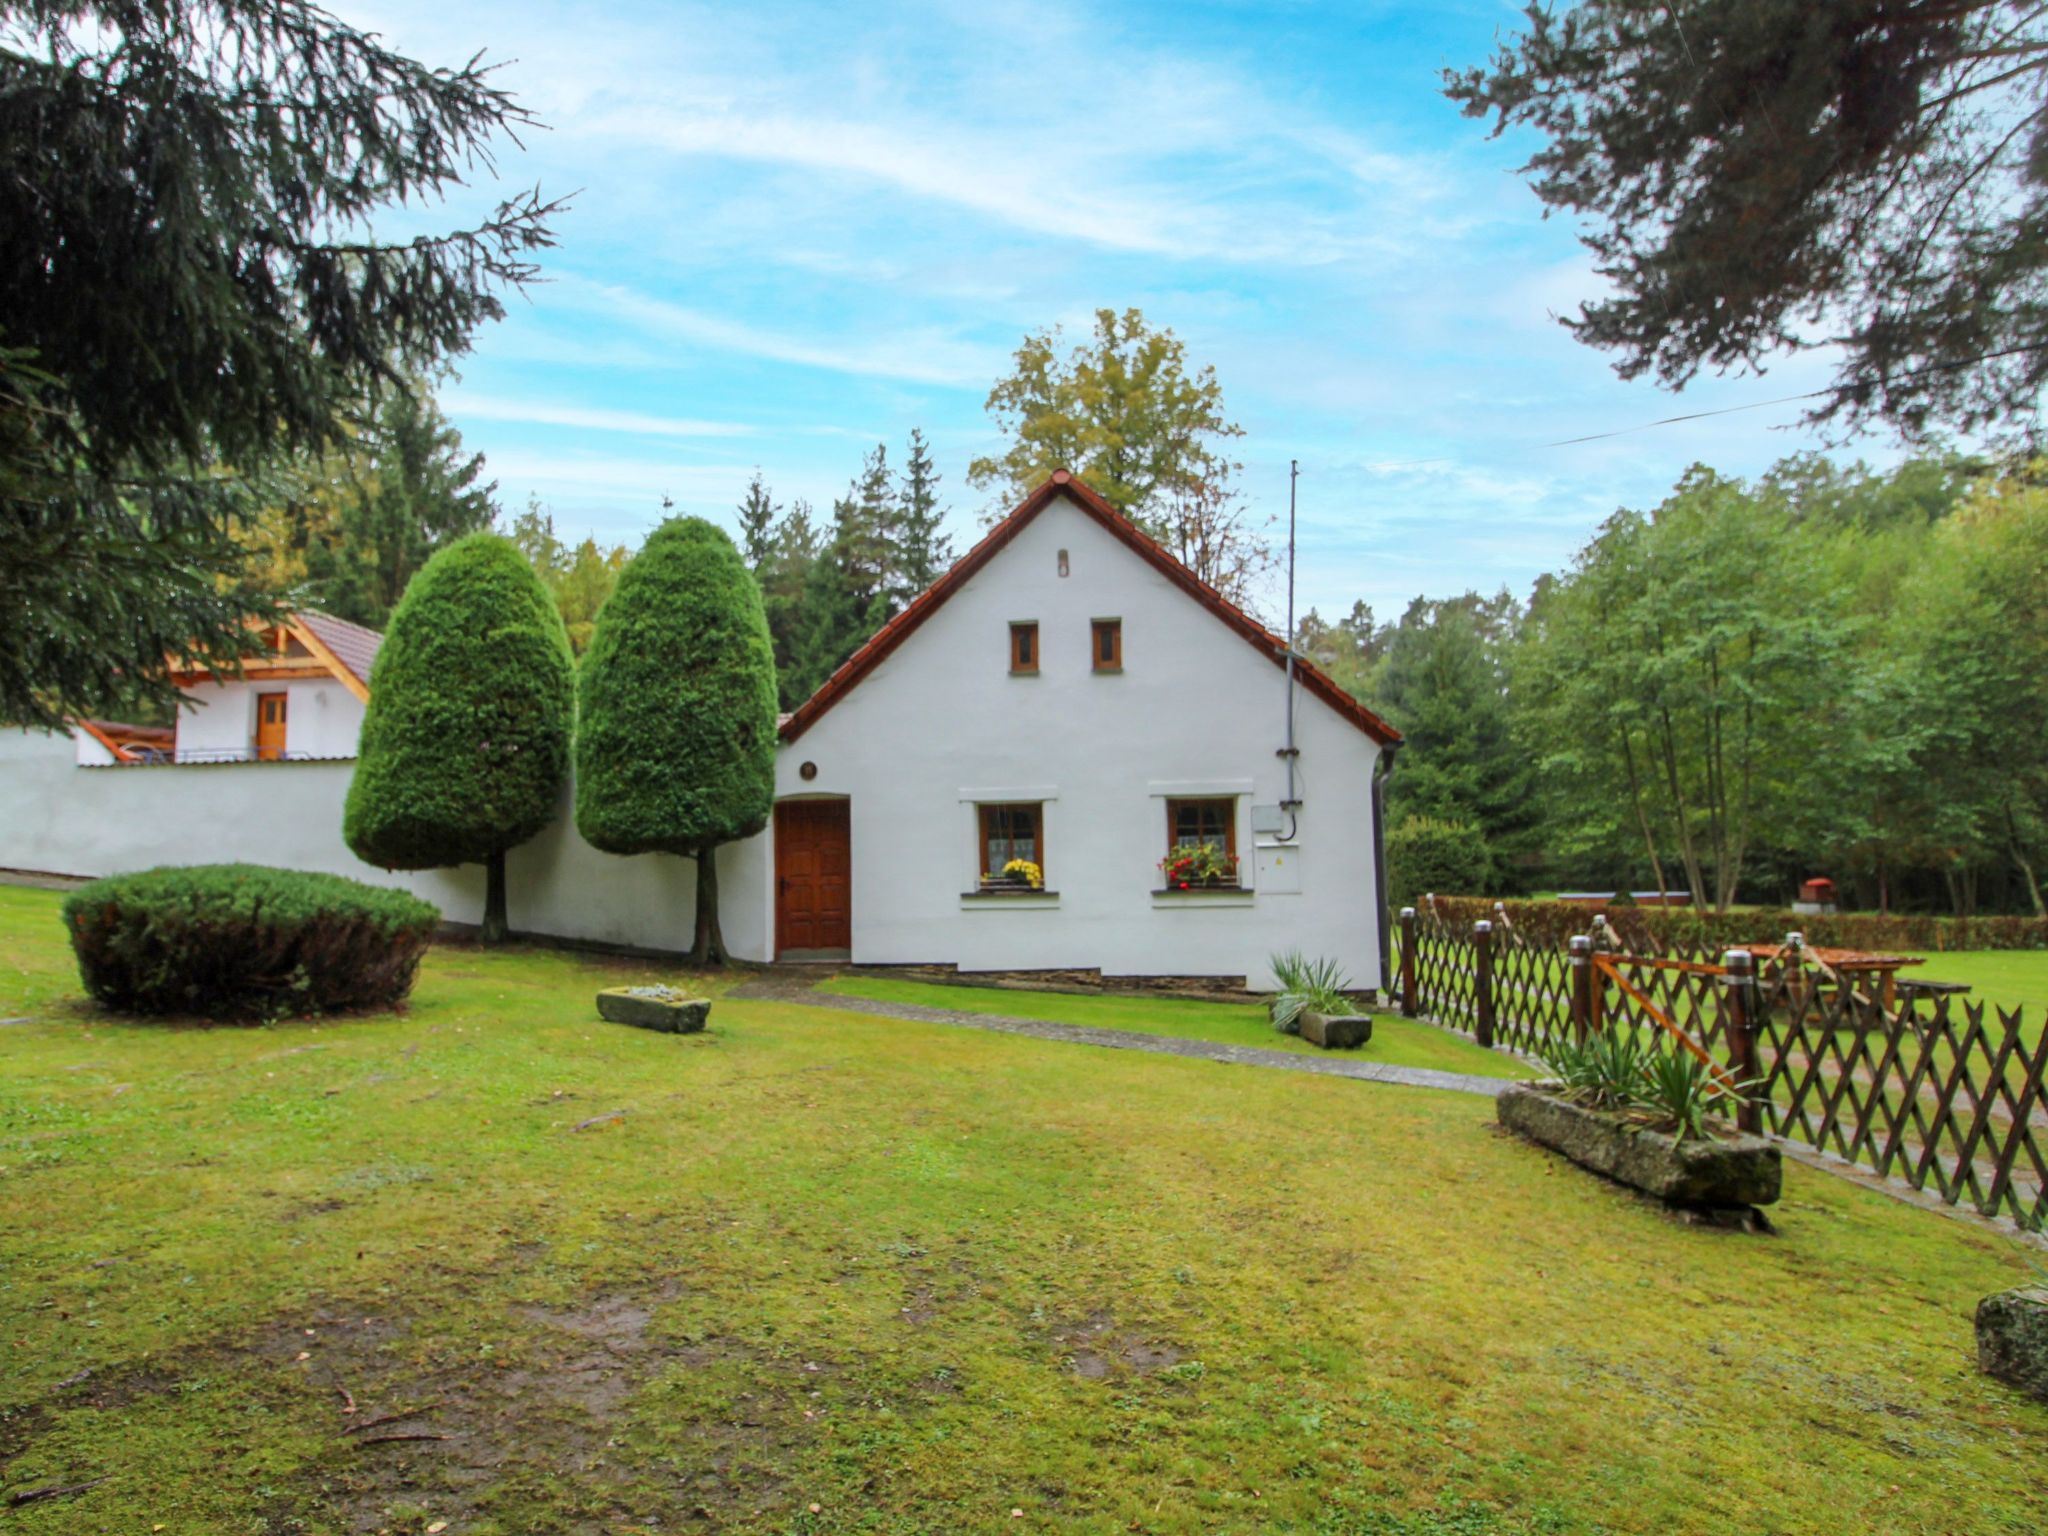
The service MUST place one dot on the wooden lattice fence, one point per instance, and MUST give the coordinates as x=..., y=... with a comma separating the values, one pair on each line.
x=1948, y=1094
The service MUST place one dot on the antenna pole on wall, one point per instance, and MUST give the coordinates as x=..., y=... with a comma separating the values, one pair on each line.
x=1293, y=801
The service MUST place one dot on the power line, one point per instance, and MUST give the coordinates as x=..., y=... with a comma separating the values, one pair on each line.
x=1726, y=410
x=1665, y=421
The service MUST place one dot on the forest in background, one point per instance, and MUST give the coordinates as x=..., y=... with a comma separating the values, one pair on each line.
x=1827, y=670
x=1824, y=671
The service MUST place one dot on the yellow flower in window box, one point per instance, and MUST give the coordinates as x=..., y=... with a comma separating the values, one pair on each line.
x=1024, y=872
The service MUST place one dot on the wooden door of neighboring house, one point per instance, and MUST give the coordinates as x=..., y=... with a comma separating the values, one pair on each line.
x=813, y=879
x=270, y=712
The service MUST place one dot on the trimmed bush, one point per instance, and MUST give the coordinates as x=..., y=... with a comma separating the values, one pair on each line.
x=1425, y=854
x=675, y=730
x=245, y=943
x=466, y=739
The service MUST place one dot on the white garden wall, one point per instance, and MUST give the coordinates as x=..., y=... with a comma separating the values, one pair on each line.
x=59, y=818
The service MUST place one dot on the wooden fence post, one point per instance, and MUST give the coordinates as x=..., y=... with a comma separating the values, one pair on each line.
x=1582, y=985
x=1482, y=950
x=1598, y=942
x=1409, y=1001
x=1741, y=1028
x=1793, y=960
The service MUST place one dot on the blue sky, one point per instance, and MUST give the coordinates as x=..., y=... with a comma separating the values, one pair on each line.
x=801, y=229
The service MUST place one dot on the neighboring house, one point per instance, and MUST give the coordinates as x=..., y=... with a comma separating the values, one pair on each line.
x=300, y=699
x=1068, y=695
x=1071, y=695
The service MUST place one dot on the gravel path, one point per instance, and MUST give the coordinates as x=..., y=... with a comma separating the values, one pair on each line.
x=780, y=987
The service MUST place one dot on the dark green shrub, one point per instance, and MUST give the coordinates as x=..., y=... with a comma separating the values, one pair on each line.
x=1425, y=854
x=466, y=740
x=675, y=730
x=242, y=942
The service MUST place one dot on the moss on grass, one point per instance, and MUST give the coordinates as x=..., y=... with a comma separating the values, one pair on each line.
x=834, y=1273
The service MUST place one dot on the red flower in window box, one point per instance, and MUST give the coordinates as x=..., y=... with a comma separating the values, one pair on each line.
x=1203, y=866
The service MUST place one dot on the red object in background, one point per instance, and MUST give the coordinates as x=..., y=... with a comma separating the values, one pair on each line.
x=1818, y=889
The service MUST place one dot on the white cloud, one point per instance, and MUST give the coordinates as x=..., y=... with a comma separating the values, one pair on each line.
x=924, y=355
x=493, y=408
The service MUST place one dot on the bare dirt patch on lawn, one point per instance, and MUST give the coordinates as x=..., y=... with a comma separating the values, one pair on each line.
x=536, y=1428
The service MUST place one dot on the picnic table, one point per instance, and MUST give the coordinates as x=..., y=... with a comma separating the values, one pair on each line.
x=1877, y=974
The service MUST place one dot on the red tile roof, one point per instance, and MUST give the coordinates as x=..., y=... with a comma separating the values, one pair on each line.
x=1063, y=483
x=353, y=646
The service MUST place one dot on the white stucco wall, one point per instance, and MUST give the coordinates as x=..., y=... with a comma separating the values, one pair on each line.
x=322, y=718
x=59, y=818
x=91, y=751
x=941, y=724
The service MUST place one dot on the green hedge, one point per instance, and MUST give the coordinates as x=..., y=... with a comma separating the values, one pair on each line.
x=1427, y=854
x=1684, y=927
x=242, y=942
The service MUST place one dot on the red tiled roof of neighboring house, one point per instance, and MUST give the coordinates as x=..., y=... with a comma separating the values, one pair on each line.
x=352, y=645
x=129, y=743
x=1062, y=482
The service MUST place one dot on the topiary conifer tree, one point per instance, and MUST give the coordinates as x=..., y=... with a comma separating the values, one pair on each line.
x=466, y=740
x=675, y=736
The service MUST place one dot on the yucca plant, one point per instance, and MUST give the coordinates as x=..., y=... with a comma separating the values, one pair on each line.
x=1288, y=966
x=1604, y=1069
x=1677, y=1087
x=1306, y=986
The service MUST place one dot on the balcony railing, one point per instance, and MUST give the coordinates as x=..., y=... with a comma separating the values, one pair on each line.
x=143, y=757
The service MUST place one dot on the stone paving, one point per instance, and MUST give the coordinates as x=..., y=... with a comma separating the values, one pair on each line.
x=782, y=986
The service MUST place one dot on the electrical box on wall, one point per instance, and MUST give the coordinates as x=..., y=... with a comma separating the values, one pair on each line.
x=1268, y=820
x=1279, y=870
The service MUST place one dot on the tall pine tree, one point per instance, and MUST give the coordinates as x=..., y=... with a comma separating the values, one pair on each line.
x=757, y=515
x=410, y=490
x=923, y=553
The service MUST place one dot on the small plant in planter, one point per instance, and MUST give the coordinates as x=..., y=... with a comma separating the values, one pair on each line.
x=1670, y=1091
x=1203, y=866
x=1645, y=1117
x=1312, y=1002
x=1601, y=1071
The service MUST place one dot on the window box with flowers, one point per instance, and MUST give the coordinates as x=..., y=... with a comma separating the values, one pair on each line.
x=1015, y=876
x=1011, y=852
x=1199, y=867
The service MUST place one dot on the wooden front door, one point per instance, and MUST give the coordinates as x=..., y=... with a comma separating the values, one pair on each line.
x=813, y=878
x=269, y=727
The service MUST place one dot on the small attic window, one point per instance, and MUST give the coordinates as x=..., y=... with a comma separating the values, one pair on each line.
x=1063, y=562
x=1106, y=644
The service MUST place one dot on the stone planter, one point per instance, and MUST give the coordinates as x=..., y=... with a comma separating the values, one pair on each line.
x=660, y=1008
x=2012, y=1338
x=1719, y=1173
x=1336, y=1031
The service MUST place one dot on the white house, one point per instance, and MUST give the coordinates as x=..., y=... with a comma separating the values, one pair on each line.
x=300, y=699
x=1068, y=694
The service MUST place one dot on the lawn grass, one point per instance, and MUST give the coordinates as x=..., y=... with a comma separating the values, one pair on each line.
x=1395, y=1041
x=832, y=1272
x=2010, y=978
